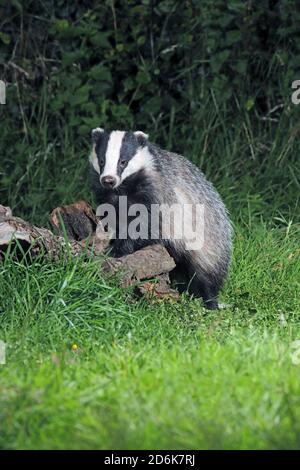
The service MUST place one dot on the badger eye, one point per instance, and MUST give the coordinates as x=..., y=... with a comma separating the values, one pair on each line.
x=123, y=162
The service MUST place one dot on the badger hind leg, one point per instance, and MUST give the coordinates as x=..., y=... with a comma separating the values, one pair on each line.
x=179, y=278
x=198, y=282
x=206, y=290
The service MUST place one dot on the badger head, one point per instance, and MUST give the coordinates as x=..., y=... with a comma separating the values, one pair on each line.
x=116, y=155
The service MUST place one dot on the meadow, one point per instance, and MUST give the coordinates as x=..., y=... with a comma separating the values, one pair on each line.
x=89, y=366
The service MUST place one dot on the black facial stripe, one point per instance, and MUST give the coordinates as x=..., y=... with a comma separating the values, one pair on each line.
x=101, y=147
x=128, y=150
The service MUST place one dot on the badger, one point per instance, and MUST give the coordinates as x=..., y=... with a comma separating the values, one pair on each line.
x=125, y=163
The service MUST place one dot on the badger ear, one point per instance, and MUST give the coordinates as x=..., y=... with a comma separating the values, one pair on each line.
x=141, y=137
x=97, y=134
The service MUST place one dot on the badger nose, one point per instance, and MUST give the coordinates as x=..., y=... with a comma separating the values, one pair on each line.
x=108, y=181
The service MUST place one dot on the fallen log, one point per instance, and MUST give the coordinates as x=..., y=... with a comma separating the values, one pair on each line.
x=79, y=230
x=20, y=236
x=143, y=264
x=77, y=220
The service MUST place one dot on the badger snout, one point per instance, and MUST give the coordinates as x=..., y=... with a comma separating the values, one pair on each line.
x=108, y=181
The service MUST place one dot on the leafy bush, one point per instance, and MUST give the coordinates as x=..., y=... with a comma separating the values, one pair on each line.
x=170, y=67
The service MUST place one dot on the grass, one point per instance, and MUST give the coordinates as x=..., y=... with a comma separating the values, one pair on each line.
x=152, y=375
x=156, y=375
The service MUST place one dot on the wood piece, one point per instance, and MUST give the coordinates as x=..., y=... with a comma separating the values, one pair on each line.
x=16, y=231
x=143, y=264
x=78, y=220
x=5, y=212
x=81, y=224
x=159, y=289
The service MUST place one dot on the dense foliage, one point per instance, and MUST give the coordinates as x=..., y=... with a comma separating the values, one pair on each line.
x=181, y=70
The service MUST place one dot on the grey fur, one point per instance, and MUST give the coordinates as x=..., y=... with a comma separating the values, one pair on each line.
x=212, y=261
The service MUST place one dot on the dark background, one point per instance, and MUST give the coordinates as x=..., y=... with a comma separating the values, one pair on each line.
x=210, y=79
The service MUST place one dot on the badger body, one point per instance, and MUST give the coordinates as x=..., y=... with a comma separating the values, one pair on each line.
x=127, y=164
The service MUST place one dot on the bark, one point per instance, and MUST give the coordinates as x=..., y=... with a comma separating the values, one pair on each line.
x=143, y=264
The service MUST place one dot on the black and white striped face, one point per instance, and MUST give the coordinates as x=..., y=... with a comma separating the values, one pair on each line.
x=116, y=155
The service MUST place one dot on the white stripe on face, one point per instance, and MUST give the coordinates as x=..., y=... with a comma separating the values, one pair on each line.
x=94, y=160
x=113, y=154
x=141, y=160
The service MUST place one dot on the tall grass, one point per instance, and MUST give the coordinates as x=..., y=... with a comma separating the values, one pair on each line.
x=253, y=163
